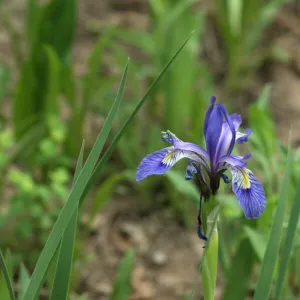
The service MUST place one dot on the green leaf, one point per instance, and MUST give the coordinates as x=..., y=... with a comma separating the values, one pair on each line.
x=57, y=27
x=287, y=246
x=65, y=257
x=59, y=228
x=53, y=81
x=23, y=281
x=257, y=240
x=90, y=81
x=235, y=11
x=240, y=271
x=266, y=273
x=33, y=14
x=5, y=279
x=122, y=285
x=23, y=105
x=4, y=80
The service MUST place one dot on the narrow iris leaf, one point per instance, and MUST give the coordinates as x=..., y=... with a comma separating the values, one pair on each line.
x=287, y=246
x=65, y=257
x=5, y=273
x=266, y=273
x=72, y=202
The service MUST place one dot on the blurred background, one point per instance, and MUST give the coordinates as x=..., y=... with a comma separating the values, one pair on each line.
x=60, y=66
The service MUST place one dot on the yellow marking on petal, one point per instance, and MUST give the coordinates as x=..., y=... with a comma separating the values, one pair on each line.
x=245, y=180
x=168, y=157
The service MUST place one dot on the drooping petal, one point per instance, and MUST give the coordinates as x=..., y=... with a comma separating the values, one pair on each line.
x=169, y=137
x=212, y=130
x=161, y=161
x=225, y=178
x=233, y=160
x=242, y=138
x=249, y=192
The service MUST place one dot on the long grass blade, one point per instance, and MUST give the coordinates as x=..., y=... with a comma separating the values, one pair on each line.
x=65, y=257
x=291, y=231
x=266, y=273
x=73, y=200
x=127, y=123
x=6, y=276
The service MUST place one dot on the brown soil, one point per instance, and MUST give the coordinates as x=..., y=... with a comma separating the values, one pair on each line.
x=167, y=255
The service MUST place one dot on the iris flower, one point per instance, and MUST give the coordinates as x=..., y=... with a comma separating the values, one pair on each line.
x=208, y=166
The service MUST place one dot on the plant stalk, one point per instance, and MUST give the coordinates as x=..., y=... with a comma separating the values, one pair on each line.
x=210, y=262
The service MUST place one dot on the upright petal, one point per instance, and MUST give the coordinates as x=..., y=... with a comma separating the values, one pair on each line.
x=228, y=132
x=212, y=130
x=249, y=192
x=162, y=160
x=208, y=113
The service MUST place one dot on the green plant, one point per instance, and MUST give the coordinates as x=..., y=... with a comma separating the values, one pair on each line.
x=242, y=24
x=49, y=35
x=36, y=190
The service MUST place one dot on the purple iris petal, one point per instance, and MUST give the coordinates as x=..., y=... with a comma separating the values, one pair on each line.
x=191, y=147
x=232, y=129
x=159, y=162
x=249, y=192
x=208, y=113
x=153, y=164
x=235, y=161
x=169, y=137
x=213, y=132
x=236, y=120
x=242, y=138
x=190, y=171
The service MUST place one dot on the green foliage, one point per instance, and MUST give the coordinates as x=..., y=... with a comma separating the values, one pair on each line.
x=122, y=284
x=49, y=35
x=242, y=24
x=37, y=189
x=178, y=103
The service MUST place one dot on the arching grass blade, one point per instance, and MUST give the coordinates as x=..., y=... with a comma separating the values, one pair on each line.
x=52, y=243
x=65, y=257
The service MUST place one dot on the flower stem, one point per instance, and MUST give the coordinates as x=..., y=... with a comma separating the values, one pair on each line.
x=210, y=261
